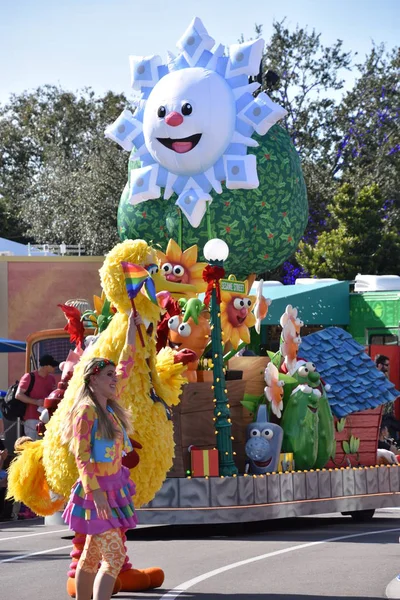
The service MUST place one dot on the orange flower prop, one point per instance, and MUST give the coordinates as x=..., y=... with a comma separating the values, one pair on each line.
x=290, y=346
x=237, y=316
x=182, y=267
x=261, y=306
x=274, y=389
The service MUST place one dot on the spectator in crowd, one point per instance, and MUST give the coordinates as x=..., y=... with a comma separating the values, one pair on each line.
x=382, y=363
x=44, y=384
x=387, y=451
x=3, y=481
x=1, y=432
x=9, y=510
x=385, y=442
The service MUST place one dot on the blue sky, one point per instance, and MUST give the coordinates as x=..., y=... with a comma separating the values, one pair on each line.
x=78, y=43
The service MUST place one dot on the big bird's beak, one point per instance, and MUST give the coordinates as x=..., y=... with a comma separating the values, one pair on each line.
x=163, y=285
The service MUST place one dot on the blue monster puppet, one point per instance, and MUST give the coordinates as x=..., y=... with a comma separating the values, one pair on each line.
x=263, y=446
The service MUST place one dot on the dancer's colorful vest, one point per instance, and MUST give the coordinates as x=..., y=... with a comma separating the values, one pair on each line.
x=103, y=450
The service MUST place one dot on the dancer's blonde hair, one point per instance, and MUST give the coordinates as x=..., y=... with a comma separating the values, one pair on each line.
x=86, y=396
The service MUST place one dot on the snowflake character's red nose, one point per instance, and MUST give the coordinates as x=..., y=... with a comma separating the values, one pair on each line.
x=174, y=119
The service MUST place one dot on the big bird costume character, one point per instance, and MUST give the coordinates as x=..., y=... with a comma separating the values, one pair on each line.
x=154, y=384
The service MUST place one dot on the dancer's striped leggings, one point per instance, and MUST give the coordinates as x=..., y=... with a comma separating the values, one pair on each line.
x=106, y=547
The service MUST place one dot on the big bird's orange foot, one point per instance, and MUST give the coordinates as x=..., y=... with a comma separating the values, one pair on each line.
x=138, y=580
x=71, y=588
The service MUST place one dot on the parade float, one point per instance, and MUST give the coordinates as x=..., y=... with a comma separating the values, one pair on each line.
x=215, y=195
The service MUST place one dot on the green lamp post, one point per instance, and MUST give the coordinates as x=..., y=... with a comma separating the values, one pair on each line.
x=215, y=252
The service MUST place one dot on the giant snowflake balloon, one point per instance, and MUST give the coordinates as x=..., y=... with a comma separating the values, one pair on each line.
x=194, y=121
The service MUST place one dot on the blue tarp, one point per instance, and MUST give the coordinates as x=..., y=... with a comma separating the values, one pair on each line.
x=12, y=345
x=16, y=248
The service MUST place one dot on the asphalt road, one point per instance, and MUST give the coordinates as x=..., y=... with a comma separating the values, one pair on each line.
x=299, y=559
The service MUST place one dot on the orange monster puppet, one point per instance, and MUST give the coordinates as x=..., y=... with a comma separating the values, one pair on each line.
x=190, y=330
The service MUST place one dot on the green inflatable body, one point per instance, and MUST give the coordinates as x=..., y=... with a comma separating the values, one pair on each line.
x=300, y=427
x=307, y=420
x=326, y=433
x=262, y=227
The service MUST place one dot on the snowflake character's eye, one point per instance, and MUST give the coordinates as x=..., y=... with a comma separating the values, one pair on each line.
x=166, y=268
x=174, y=323
x=268, y=434
x=161, y=112
x=178, y=270
x=152, y=269
x=255, y=433
x=303, y=371
x=187, y=109
x=184, y=329
x=239, y=303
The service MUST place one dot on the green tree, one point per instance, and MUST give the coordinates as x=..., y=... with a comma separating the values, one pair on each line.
x=358, y=241
x=368, y=122
x=311, y=79
x=350, y=136
x=309, y=75
x=59, y=178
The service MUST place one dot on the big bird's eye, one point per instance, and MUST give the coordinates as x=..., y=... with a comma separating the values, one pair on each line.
x=166, y=268
x=152, y=269
x=255, y=433
x=184, y=329
x=174, y=322
x=161, y=112
x=187, y=109
x=239, y=303
x=178, y=270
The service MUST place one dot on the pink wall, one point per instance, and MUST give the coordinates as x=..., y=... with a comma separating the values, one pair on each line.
x=36, y=286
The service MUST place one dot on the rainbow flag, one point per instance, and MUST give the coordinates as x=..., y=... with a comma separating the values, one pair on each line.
x=149, y=290
x=135, y=276
x=138, y=278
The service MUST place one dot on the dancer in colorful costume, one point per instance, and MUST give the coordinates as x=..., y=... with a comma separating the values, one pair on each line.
x=154, y=376
x=100, y=504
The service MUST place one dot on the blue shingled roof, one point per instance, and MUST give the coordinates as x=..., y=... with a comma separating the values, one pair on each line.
x=342, y=362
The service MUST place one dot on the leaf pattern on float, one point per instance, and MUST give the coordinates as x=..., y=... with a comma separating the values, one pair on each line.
x=262, y=227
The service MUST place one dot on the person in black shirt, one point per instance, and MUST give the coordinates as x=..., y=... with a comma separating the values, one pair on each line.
x=385, y=441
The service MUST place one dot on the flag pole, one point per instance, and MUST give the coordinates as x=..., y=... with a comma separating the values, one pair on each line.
x=139, y=329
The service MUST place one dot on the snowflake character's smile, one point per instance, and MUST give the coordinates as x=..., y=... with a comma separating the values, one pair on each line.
x=181, y=145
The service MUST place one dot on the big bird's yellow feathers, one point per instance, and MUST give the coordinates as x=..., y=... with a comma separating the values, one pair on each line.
x=152, y=428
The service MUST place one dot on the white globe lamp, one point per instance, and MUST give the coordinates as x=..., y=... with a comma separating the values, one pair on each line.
x=216, y=249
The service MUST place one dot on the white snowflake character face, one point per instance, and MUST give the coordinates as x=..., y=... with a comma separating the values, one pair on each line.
x=194, y=121
x=182, y=115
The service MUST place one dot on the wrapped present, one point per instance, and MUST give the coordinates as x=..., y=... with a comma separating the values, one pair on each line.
x=286, y=462
x=204, y=463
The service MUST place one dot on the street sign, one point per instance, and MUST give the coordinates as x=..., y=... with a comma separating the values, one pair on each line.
x=231, y=285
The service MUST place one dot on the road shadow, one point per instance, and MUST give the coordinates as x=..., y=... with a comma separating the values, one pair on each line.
x=299, y=529
x=156, y=595
x=12, y=556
